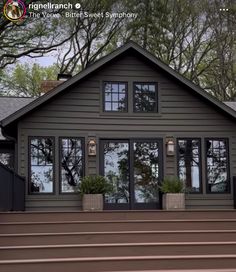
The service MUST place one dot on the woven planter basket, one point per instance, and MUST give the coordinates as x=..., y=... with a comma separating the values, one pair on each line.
x=92, y=202
x=174, y=201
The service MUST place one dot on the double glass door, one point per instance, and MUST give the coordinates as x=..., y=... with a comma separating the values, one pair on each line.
x=134, y=168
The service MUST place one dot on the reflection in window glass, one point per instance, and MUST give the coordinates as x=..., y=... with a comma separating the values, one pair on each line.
x=41, y=165
x=116, y=170
x=71, y=164
x=189, y=163
x=145, y=97
x=217, y=166
x=7, y=159
x=115, y=95
x=146, y=171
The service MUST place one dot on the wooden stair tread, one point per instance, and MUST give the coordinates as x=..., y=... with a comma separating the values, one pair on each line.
x=118, y=245
x=120, y=258
x=116, y=221
x=117, y=232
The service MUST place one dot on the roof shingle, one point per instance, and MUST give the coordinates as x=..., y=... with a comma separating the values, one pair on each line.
x=9, y=105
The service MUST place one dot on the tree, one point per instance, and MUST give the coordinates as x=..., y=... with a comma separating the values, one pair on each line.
x=31, y=37
x=93, y=35
x=196, y=38
x=25, y=79
x=220, y=77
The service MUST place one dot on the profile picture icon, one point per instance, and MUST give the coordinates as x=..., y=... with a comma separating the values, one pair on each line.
x=14, y=10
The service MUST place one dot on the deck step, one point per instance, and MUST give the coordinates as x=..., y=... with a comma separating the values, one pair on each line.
x=128, y=263
x=25, y=239
x=118, y=241
x=117, y=249
x=115, y=225
x=115, y=215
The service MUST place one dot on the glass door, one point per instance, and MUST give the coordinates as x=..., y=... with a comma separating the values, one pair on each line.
x=134, y=169
x=145, y=174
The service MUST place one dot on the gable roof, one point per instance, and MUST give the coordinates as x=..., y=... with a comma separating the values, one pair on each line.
x=98, y=64
x=9, y=105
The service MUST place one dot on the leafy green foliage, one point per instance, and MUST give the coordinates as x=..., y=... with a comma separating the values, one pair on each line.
x=94, y=185
x=26, y=79
x=172, y=185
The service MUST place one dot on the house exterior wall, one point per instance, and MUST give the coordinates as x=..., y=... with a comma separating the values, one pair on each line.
x=78, y=112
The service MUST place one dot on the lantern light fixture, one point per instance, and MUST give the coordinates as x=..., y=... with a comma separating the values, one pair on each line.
x=170, y=146
x=92, y=147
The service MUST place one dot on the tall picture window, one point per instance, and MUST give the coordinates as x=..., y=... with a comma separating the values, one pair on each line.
x=217, y=166
x=72, y=165
x=41, y=162
x=189, y=163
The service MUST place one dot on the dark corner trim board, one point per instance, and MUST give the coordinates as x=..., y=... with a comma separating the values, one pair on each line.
x=234, y=190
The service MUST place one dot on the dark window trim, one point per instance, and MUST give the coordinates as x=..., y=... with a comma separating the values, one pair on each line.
x=103, y=96
x=131, y=205
x=200, y=160
x=29, y=165
x=228, y=165
x=60, y=157
x=156, y=97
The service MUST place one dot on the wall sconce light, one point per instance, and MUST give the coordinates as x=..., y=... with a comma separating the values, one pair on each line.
x=92, y=147
x=170, y=146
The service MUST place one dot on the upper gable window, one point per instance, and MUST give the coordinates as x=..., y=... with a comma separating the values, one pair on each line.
x=145, y=97
x=115, y=96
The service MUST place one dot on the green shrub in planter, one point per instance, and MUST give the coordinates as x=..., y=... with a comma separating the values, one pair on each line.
x=172, y=185
x=94, y=185
x=174, y=197
x=92, y=189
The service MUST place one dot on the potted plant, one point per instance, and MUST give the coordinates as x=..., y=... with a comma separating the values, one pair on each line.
x=92, y=189
x=173, y=193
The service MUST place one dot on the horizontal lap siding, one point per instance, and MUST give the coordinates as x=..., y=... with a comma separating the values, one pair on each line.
x=77, y=112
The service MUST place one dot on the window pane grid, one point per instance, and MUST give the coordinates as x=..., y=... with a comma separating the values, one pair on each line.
x=115, y=97
x=145, y=97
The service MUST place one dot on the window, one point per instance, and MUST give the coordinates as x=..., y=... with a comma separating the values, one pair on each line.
x=71, y=163
x=115, y=96
x=41, y=165
x=116, y=170
x=217, y=166
x=145, y=97
x=146, y=171
x=134, y=168
x=189, y=163
x=7, y=159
